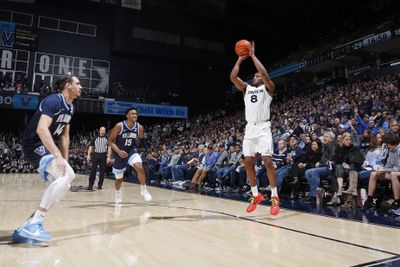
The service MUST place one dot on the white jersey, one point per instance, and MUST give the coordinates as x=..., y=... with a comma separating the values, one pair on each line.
x=257, y=102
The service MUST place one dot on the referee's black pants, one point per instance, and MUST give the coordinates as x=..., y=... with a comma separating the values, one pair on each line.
x=98, y=159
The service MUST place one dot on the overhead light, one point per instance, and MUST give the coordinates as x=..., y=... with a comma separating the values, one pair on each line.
x=394, y=63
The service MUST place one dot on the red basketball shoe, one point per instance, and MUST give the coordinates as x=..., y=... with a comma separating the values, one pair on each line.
x=254, y=201
x=274, y=209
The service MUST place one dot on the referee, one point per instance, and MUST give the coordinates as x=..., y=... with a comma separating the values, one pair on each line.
x=99, y=158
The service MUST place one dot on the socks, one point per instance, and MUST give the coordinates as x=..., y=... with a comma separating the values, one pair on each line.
x=38, y=216
x=254, y=191
x=274, y=192
x=142, y=187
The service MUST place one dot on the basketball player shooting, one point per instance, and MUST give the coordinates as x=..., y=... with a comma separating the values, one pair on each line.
x=258, y=137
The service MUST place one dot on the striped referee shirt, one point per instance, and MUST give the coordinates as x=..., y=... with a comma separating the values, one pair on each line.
x=100, y=144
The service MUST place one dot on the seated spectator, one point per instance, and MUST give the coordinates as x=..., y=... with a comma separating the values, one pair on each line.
x=385, y=120
x=374, y=158
x=293, y=155
x=165, y=158
x=365, y=141
x=370, y=125
x=339, y=139
x=394, y=128
x=348, y=159
x=278, y=160
x=307, y=143
x=174, y=157
x=153, y=166
x=297, y=131
x=305, y=162
x=180, y=171
x=222, y=160
x=225, y=172
x=210, y=158
x=389, y=172
x=322, y=168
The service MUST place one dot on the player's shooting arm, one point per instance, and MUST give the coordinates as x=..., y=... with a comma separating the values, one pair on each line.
x=269, y=84
x=240, y=85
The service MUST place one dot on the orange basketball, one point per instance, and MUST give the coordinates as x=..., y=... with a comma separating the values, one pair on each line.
x=242, y=48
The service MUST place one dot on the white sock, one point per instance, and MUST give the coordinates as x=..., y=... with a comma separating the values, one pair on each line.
x=254, y=191
x=38, y=216
x=274, y=192
x=117, y=192
x=142, y=187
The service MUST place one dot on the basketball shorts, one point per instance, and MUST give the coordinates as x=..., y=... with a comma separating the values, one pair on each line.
x=38, y=156
x=120, y=164
x=258, y=139
x=33, y=152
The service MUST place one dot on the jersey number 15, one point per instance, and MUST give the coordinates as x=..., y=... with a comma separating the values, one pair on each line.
x=128, y=142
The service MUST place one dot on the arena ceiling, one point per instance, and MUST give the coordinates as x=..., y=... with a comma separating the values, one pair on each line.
x=282, y=26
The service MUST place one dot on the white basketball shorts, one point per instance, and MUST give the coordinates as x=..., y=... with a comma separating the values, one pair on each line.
x=258, y=138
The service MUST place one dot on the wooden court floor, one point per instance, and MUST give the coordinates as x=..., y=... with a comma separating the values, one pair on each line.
x=181, y=229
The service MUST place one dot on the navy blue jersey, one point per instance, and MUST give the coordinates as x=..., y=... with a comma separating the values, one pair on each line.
x=127, y=137
x=56, y=108
x=126, y=141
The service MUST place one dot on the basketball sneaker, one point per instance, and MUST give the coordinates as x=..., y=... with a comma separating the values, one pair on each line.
x=274, y=209
x=118, y=198
x=145, y=194
x=18, y=238
x=254, y=201
x=35, y=231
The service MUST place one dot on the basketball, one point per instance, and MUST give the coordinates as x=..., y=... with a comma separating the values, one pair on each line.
x=242, y=48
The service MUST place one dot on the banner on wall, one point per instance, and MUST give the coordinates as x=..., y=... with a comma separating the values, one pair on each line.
x=26, y=38
x=18, y=36
x=18, y=101
x=25, y=101
x=7, y=34
x=149, y=110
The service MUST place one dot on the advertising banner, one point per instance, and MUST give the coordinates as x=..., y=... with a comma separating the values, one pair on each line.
x=149, y=110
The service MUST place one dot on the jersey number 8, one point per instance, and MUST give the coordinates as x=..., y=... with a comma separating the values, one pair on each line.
x=253, y=99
